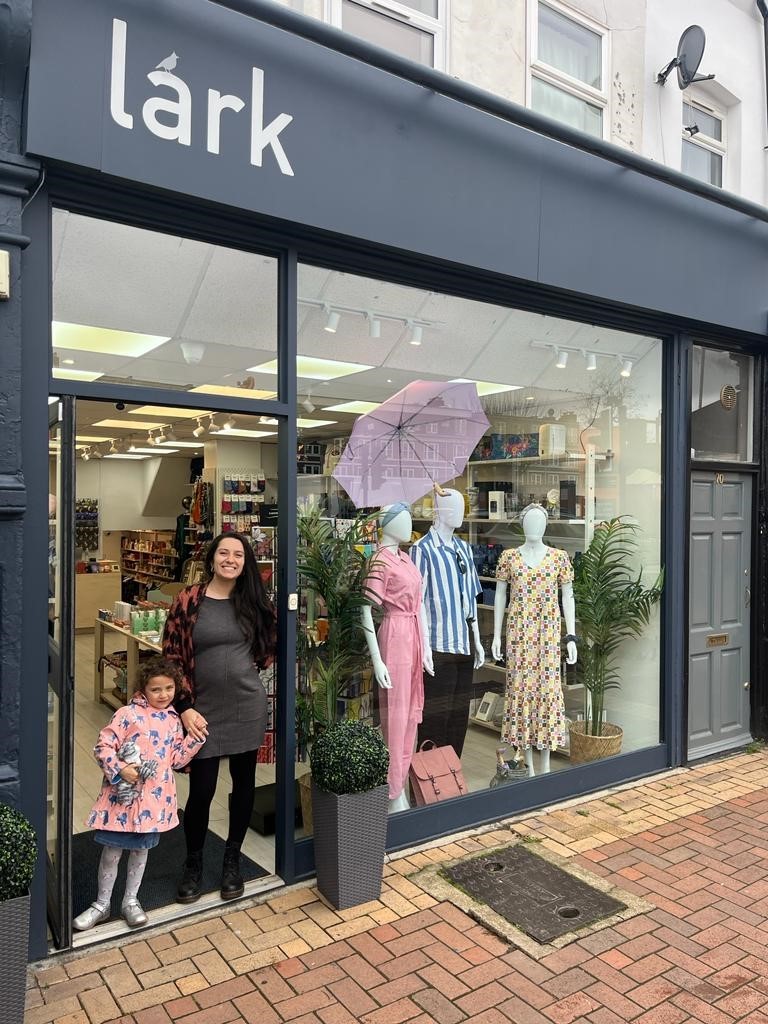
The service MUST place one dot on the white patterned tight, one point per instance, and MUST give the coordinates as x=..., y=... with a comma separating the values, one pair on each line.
x=110, y=860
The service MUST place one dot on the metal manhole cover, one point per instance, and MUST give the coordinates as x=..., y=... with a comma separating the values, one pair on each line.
x=537, y=897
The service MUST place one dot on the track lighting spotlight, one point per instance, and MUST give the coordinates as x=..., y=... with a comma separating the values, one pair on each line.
x=96, y=453
x=308, y=405
x=268, y=421
x=161, y=438
x=591, y=361
x=561, y=360
x=113, y=450
x=150, y=438
x=626, y=368
x=170, y=434
x=86, y=455
x=416, y=333
x=332, y=321
x=213, y=426
x=229, y=423
x=374, y=326
x=199, y=429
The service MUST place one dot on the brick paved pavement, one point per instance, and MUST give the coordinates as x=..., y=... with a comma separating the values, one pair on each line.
x=693, y=844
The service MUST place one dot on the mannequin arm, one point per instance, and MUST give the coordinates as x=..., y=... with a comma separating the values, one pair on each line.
x=479, y=650
x=380, y=673
x=569, y=614
x=426, y=660
x=499, y=607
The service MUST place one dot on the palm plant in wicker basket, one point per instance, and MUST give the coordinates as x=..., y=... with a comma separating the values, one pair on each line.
x=332, y=565
x=612, y=605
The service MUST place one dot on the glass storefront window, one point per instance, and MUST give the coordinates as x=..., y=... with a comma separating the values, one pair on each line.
x=574, y=425
x=721, y=405
x=132, y=306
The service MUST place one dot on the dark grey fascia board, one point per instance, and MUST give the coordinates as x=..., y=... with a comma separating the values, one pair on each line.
x=439, y=82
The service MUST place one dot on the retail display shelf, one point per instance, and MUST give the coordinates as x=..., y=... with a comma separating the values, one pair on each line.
x=485, y=725
x=555, y=460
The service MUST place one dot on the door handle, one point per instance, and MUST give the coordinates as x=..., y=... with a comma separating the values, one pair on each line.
x=746, y=686
x=747, y=597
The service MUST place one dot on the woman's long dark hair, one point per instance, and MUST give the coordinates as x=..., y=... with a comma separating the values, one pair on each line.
x=254, y=611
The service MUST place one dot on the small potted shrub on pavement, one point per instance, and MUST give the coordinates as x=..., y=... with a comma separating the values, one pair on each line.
x=18, y=856
x=349, y=801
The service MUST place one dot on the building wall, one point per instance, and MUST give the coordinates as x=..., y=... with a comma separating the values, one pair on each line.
x=488, y=45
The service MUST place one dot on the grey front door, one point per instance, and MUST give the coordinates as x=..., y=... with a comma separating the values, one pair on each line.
x=719, y=617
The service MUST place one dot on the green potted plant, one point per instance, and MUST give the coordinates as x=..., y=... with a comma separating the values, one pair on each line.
x=18, y=857
x=350, y=797
x=612, y=605
x=333, y=570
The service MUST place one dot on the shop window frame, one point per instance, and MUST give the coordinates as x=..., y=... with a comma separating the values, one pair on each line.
x=436, y=27
x=540, y=70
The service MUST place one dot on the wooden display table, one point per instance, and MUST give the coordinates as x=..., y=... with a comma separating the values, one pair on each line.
x=132, y=645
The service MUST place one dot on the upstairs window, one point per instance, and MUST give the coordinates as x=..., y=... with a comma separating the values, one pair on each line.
x=568, y=79
x=412, y=28
x=703, y=154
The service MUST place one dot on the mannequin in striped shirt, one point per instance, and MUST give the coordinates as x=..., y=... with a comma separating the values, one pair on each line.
x=450, y=588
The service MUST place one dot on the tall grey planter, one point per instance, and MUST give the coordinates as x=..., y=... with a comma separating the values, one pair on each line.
x=14, y=941
x=350, y=834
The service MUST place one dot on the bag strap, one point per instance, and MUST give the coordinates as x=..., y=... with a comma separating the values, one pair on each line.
x=428, y=745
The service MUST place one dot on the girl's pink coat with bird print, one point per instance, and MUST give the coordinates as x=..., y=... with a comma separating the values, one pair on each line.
x=159, y=737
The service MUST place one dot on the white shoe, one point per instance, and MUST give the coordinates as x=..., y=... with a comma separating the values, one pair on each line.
x=133, y=913
x=95, y=914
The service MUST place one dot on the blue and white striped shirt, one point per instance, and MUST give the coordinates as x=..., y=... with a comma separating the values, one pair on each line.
x=450, y=597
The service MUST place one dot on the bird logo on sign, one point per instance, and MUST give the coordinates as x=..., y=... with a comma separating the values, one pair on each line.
x=169, y=63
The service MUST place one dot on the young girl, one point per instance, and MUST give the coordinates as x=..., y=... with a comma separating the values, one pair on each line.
x=137, y=752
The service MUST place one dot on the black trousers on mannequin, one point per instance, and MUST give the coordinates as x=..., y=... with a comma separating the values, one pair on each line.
x=446, y=700
x=203, y=775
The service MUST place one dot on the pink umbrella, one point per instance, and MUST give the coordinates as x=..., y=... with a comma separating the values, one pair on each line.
x=420, y=437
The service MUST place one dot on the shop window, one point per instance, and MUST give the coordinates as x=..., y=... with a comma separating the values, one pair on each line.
x=573, y=425
x=411, y=28
x=568, y=68
x=133, y=306
x=703, y=143
x=721, y=405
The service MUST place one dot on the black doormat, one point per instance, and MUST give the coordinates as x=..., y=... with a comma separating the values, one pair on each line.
x=537, y=897
x=164, y=867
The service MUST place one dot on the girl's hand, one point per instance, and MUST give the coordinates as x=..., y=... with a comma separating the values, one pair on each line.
x=195, y=725
x=130, y=773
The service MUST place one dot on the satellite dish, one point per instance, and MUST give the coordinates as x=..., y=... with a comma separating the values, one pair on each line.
x=690, y=50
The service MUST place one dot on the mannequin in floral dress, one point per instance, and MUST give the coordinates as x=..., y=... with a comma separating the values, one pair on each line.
x=534, y=712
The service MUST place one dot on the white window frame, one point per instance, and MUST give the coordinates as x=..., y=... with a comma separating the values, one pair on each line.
x=436, y=27
x=560, y=79
x=720, y=147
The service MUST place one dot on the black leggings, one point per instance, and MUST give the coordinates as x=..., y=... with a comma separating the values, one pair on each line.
x=203, y=776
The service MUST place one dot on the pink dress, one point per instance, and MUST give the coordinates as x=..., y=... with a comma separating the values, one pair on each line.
x=159, y=737
x=395, y=585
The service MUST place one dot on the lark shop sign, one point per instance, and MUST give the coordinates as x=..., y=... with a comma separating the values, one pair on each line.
x=167, y=112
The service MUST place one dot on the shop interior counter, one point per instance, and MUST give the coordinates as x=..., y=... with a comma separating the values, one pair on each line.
x=133, y=644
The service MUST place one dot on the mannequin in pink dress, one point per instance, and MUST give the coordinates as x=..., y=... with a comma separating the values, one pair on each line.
x=399, y=653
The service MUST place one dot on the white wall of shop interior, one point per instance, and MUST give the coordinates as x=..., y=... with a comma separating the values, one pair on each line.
x=734, y=54
x=488, y=46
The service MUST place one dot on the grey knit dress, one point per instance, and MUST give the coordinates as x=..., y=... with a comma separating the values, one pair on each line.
x=228, y=689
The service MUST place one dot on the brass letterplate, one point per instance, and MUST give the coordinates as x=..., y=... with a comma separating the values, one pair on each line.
x=717, y=640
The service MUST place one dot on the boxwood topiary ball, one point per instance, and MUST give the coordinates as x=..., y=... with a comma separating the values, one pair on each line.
x=18, y=854
x=349, y=758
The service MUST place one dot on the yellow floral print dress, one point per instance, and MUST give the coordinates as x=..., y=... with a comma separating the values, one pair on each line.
x=534, y=713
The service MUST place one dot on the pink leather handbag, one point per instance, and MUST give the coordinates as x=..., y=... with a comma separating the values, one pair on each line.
x=436, y=774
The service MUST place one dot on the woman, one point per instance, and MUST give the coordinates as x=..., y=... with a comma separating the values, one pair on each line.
x=220, y=633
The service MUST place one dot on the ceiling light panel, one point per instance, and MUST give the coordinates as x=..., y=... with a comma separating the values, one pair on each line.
x=92, y=438
x=238, y=432
x=230, y=392
x=180, y=444
x=158, y=450
x=127, y=425
x=312, y=368
x=82, y=338
x=118, y=455
x=486, y=387
x=172, y=413
x=357, y=408
x=67, y=373
x=309, y=424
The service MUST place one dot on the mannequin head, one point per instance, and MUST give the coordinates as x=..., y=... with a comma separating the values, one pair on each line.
x=534, y=519
x=449, y=509
x=396, y=524
x=186, y=504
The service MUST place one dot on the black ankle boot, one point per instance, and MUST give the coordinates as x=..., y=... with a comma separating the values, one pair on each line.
x=231, y=879
x=189, y=887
